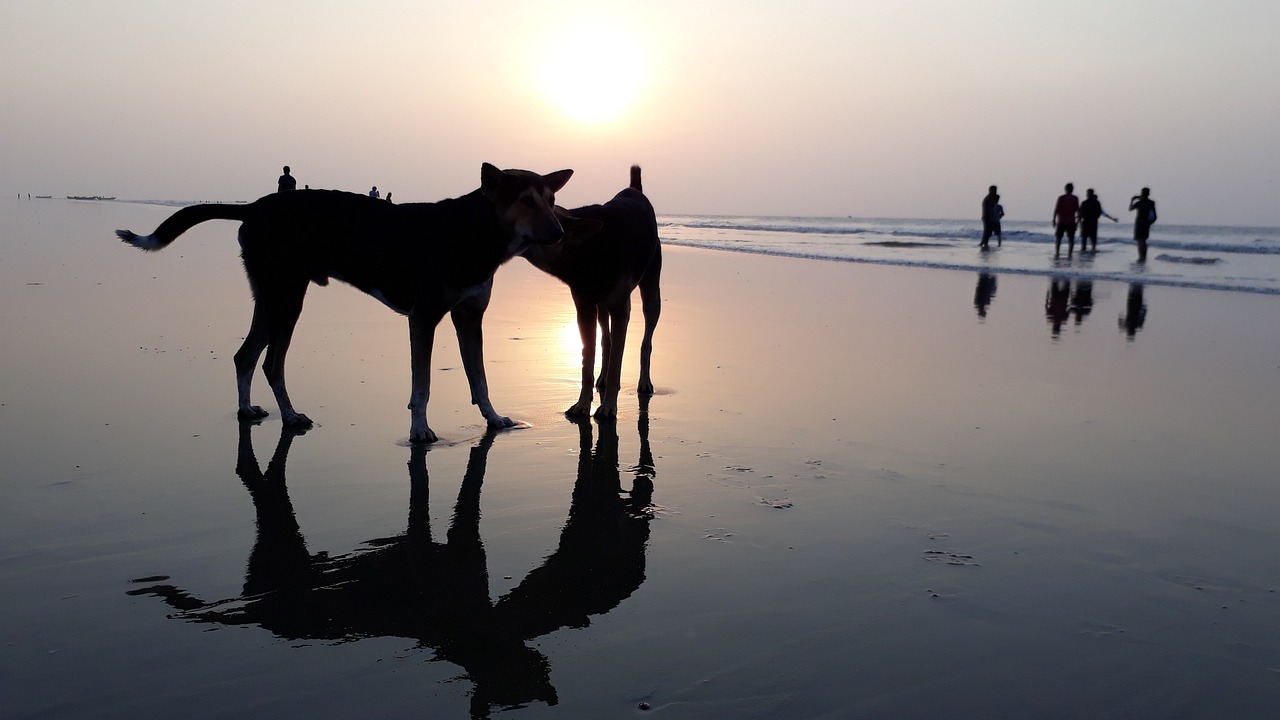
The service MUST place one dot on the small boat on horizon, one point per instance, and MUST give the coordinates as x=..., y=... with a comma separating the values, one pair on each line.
x=90, y=197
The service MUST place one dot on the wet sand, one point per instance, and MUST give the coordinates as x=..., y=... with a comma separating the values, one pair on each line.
x=854, y=495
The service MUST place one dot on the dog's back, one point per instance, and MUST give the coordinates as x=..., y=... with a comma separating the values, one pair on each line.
x=618, y=254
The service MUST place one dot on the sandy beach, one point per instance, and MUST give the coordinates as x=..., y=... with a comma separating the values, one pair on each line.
x=854, y=495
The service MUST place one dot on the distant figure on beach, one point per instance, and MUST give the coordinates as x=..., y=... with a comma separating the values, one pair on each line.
x=1090, y=211
x=306, y=187
x=388, y=197
x=1145, y=208
x=374, y=192
x=287, y=181
x=983, y=294
x=991, y=214
x=1135, y=312
x=1064, y=220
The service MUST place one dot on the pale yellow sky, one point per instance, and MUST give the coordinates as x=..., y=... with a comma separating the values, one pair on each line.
x=865, y=108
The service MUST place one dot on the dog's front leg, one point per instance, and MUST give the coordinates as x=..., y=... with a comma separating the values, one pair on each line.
x=586, y=311
x=467, y=316
x=422, y=332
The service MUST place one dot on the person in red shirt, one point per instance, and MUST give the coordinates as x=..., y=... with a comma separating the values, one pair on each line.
x=1064, y=220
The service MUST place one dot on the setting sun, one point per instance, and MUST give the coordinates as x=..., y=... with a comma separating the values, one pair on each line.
x=596, y=73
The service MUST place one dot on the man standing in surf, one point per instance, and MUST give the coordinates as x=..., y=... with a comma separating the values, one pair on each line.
x=1145, y=208
x=1064, y=220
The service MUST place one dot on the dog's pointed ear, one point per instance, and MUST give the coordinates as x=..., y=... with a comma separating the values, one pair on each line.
x=557, y=180
x=490, y=178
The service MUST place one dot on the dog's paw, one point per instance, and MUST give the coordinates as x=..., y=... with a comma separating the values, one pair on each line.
x=253, y=412
x=606, y=412
x=582, y=408
x=422, y=437
x=297, y=420
x=498, y=421
x=645, y=387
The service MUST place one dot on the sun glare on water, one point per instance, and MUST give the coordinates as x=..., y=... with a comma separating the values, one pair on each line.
x=596, y=72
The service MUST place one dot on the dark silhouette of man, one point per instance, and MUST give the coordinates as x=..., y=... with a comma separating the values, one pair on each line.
x=1064, y=220
x=1090, y=211
x=287, y=181
x=1145, y=208
x=991, y=217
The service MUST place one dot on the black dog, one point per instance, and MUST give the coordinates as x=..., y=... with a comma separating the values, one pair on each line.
x=607, y=252
x=420, y=259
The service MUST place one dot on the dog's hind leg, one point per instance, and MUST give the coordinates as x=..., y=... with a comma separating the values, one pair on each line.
x=281, y=308
x=246, y=360
x=467, y=317
x=586, y=312
x=606, y=344
x=619, y=312
x=651, y=305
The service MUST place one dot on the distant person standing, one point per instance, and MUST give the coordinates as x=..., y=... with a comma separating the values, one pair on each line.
x=389, y=197
x=1064, y=220
x=374, y=192
x=990, y=220
x=1090, y=211
x=287, y=182
x=1145, y=208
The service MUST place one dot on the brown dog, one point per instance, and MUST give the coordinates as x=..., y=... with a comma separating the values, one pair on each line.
x=608, y=251
x=422, y=260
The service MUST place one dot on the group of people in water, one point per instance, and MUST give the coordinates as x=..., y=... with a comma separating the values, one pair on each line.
x=289, y=182
x=1069, y=213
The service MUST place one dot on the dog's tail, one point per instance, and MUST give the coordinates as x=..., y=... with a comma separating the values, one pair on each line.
x=635, y=178
x=180, y=222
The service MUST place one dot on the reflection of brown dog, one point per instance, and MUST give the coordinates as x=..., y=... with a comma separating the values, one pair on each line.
x=608, y=251
x=422, y=260
x=434, y=587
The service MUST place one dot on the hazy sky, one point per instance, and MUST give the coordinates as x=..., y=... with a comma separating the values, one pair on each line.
x=894, y=108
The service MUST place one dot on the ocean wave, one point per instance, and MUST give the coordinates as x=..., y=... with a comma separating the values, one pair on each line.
x=1140, y=275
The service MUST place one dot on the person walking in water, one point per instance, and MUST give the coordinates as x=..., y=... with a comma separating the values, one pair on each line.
x=1064, y=220
x=287, y=181
x=1090, y=211
x=1145, y=207
x=991, y=212
x=374, y=192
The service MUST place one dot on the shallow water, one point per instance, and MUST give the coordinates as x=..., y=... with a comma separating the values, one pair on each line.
x=854, y=495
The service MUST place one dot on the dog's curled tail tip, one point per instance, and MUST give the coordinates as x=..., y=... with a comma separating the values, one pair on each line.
x=142, y=242
x=635, y=178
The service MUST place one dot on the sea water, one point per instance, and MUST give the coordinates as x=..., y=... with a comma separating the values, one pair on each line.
x=1241, y=259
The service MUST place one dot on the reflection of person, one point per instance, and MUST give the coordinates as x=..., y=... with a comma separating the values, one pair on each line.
x=983, y=294
x=1090, y=211
x=1064, y=220
x=1145, y=207
x=1082, y=297
x=374, y=192
x=991, y=214
x=1135, y=311
x=286, y=181
x=1057, y=304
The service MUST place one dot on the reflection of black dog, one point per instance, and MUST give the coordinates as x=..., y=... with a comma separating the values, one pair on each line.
x=607, y=252
x=422, y=260
x=434, y=592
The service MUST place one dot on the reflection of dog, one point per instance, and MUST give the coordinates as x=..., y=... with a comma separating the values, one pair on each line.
x=434, y=587
x=608, y=251
x=421, y=259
